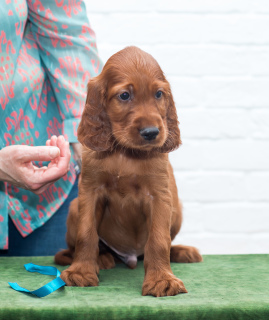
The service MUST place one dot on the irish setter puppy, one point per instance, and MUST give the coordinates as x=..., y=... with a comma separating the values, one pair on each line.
x=128, y=202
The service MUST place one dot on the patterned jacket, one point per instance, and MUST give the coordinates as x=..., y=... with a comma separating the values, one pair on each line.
x=47, y=55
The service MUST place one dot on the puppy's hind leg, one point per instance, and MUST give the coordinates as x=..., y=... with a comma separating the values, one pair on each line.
x=64, y=257
x=185, y=254
x=105, y=259
x=180, y=253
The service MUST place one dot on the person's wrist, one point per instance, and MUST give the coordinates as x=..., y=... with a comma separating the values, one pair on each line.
x=77, y=150
x=77, y=156
x=3, y=174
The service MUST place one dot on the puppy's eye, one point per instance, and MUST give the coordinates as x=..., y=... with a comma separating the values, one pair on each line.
x=124, y=96
x=158, y=94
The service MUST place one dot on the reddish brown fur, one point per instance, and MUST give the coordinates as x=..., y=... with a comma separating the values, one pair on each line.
x=127, y=193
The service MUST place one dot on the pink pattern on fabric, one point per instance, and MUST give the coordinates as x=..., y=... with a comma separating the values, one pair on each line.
x=24, y=229
x=73, y=5
x=72, y=66
x=25, y=215
x=8, y=94
x=8, y=43
x=25, y=58
x=61, y=194
x=18, y=119
x=19, y=28
x=48, y=195
x=95, y=64
x=42, y=212
x=68, y=103
x=77, y=112
x=86, y=31
x=35, y=5
x=42, y=105
x=54, y=128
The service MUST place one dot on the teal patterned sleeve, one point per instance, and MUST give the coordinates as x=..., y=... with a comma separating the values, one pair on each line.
x=68, y=53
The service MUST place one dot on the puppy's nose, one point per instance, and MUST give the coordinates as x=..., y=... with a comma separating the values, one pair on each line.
x=149, y=133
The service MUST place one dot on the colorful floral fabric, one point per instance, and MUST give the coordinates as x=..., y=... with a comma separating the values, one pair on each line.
x=47, y=55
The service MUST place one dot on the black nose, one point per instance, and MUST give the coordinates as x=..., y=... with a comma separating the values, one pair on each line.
x=149, y=133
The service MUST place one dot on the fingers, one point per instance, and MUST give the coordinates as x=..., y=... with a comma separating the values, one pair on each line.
x=42, y=153
x=55, y=142
x=65, y=154
x=52, y=142
x=58, y=166
x=61, y=143
x=54, y=139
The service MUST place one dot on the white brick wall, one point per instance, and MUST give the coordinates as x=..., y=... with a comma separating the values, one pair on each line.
x=215, y=54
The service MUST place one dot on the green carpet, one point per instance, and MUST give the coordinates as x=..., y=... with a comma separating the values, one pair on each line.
x=221, y=287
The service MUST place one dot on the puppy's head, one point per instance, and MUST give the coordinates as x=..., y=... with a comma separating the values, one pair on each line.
x=130, y=105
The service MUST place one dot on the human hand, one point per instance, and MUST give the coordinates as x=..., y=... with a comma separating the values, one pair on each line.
x=16, y=165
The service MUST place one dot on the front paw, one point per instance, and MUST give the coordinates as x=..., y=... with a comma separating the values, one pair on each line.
x=163, y=285
x=80, y=277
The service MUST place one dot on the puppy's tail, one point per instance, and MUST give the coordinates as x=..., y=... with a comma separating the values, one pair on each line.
x=64, y=257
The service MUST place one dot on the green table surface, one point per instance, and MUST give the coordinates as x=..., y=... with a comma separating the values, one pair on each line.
x=221, y=287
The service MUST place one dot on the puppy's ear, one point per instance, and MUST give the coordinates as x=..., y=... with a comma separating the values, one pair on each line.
x=173, y=140
x=94, y=130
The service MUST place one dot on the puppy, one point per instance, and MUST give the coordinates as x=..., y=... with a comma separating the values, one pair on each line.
x=128, y=200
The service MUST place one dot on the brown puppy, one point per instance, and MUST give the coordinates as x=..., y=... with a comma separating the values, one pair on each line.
x=127, y=194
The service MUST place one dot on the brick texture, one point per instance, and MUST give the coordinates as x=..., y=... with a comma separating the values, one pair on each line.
x=216, y=56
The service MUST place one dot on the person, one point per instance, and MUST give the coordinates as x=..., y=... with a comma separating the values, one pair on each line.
x=47, y=55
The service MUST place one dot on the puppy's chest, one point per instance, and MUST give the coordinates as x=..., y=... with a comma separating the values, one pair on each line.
x=123, y=185
x=123, y=227
x=127, y=178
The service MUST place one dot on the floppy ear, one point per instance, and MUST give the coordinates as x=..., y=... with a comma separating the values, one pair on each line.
x=173, y=140
x=94, y=130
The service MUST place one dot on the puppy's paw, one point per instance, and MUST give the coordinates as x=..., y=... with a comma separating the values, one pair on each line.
x=167, y=285
x=185, y=254
x=80, y=277
x=106, y=261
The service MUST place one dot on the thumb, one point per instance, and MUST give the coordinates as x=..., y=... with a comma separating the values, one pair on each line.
x=43, y=153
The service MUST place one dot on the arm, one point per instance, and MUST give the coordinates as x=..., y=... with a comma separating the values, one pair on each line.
x=68, y=51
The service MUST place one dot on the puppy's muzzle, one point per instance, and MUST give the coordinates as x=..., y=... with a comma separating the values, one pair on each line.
x=149, y=133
